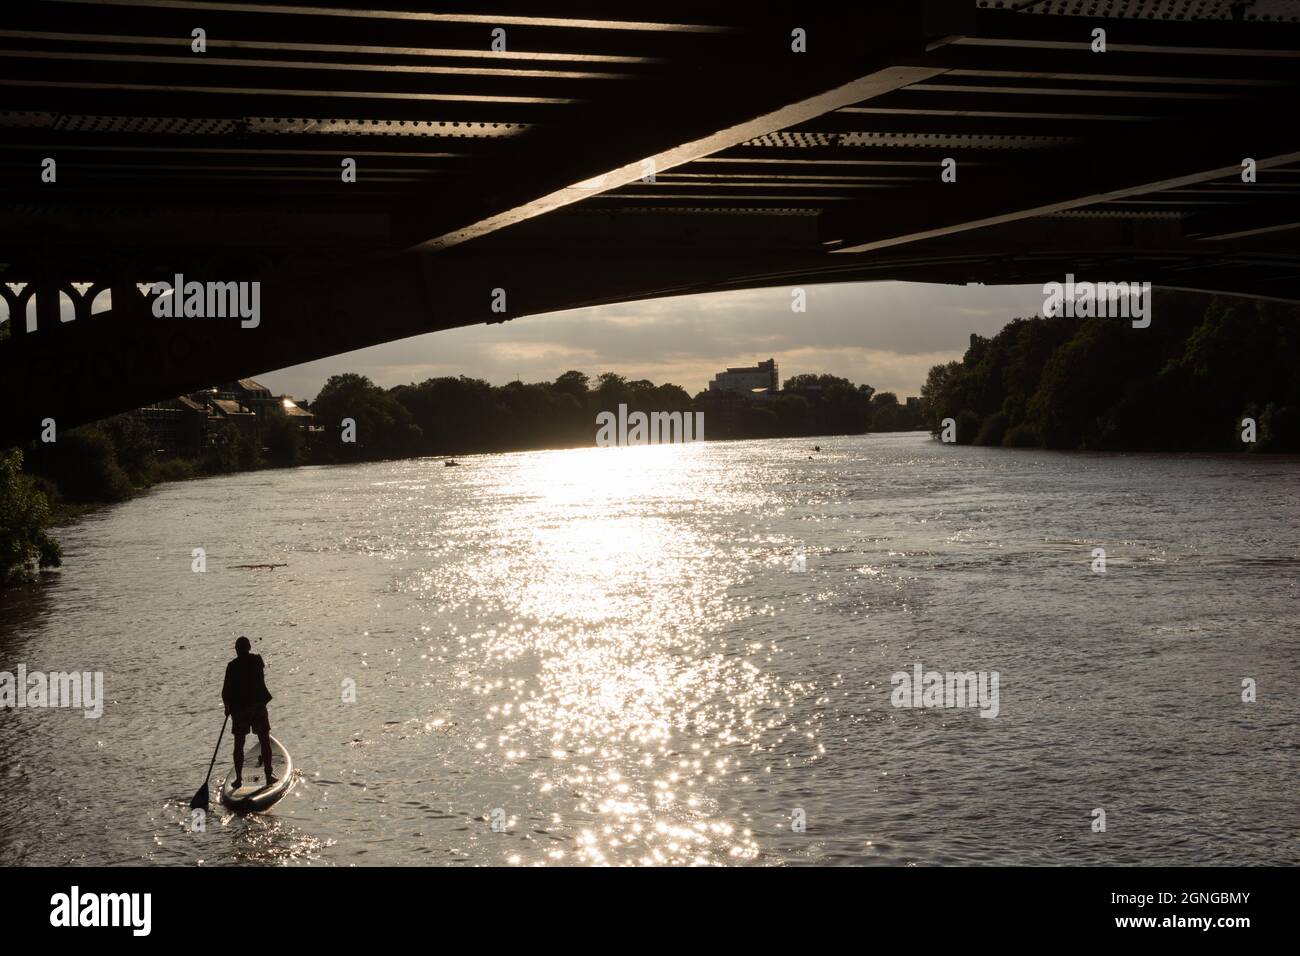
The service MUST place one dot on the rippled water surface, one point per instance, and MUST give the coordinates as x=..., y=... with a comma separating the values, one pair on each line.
x=609, y=655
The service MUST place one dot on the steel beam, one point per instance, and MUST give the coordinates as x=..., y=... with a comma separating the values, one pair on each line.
x=1149, y=161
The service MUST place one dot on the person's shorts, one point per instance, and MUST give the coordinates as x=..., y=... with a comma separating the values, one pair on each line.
x=255, y=717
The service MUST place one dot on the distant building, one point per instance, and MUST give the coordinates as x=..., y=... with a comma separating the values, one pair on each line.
x=185, y=426
x=229, y=413
x=179, y=426
x=252, y=395
x=257, y=398
x=297, y=414
x=753, y=380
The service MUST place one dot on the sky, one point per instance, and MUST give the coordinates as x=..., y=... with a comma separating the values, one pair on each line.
x=883, y=334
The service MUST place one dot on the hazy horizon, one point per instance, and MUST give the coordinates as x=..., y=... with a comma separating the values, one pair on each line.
x=884, y=334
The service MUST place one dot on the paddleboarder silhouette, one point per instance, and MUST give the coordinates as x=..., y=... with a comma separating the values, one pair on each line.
x=245, y=695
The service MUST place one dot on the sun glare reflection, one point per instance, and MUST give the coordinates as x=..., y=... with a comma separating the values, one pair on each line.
x=621, y=695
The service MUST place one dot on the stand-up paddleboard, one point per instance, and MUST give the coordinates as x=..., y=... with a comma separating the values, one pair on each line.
x=254, y=796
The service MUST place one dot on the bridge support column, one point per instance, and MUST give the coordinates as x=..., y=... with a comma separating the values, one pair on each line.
x=16, y=299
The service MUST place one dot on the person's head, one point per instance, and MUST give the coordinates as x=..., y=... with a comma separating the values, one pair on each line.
x=242, y=646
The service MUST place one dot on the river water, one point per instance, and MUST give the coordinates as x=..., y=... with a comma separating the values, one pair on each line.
x=612, y=656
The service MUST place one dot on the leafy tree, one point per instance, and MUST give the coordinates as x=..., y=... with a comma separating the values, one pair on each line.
x=968, y=424
x=83, y=464
x=836, y=405
x=993, y=430
x=248, y=449
x=133, y=446
x=221, y=457
x=573, y=383
x=886, y=413
x=1080, y=380
x=792, y=412
x=282, y=438
x=670, y=398
x=1183, y=383
x=383, y=424
x=1279, y=427
x=611, y=391
x=25, y=543
x=939, y=394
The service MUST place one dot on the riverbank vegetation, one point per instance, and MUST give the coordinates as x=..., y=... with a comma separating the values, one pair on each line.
x=113, y=459
x=1185, y=383
x=456, y=416
x=110, y=460
x=25, y=543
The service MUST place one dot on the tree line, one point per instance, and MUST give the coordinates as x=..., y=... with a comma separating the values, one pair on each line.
x=113, y=459
x=461, y=415
x=1193, y=380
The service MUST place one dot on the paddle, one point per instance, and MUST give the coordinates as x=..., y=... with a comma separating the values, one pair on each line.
x=201, y=796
